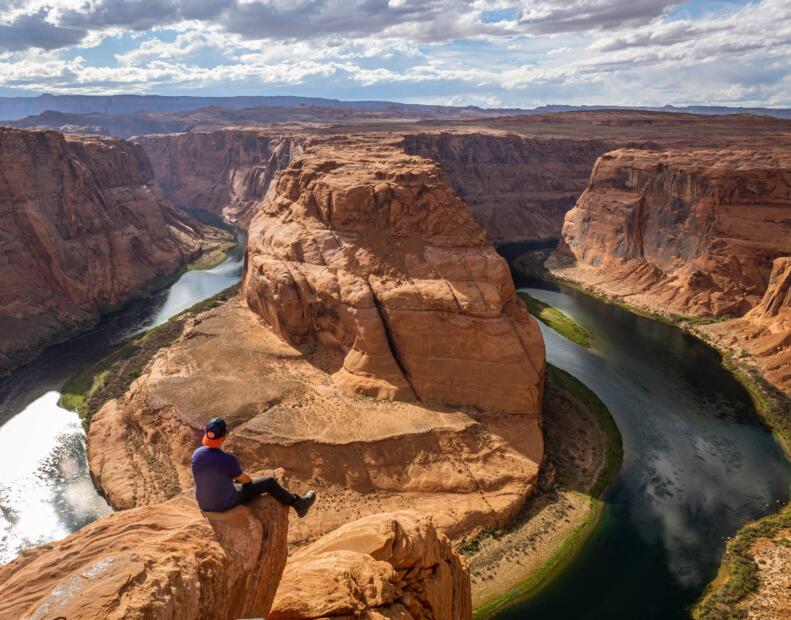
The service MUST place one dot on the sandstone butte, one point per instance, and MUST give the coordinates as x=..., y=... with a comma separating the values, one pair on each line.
x=384, y=566
x=379, y=354
x=84, y=229
x=692, y=233
x=168, y=560
x=225, y=172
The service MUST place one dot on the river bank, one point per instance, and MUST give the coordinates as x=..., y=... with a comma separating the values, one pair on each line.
x=583, y=453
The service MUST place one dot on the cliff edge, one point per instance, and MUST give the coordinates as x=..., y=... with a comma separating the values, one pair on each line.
x=167, y=560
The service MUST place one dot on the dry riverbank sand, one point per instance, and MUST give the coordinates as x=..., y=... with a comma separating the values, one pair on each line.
x=576, y=449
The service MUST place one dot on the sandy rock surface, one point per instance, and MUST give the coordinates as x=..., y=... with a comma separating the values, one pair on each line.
x=364, y=455
x=84, y=228
x=393, y=565
x=167, y=560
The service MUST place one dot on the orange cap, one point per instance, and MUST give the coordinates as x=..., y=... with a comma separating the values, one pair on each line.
x=212, y=443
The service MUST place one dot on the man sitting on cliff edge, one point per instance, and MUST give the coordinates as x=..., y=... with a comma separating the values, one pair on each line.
x=221, y=484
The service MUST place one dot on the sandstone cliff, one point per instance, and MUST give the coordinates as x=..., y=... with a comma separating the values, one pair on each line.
x=369, y=266
x=367, y=250
x=386, y=566
x=518, y=187
x=226, y=172
x=764, y=333
x=83, y=229
x=168, y=560
x=685, y=232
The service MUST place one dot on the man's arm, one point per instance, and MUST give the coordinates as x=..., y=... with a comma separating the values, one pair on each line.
x=236, y=471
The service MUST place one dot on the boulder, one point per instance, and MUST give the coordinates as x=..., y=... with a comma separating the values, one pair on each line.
x=393, y=565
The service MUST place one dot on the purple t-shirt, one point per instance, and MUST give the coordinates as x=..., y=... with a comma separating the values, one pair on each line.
x=214, y=471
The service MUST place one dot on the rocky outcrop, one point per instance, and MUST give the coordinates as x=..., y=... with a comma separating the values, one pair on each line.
x=465, y=467
x=225, y=172
x=684, y=232
x=367, y=277
x=518, y=188
x=83, y=229
x=368, y=251
x=383, y=566
x=764, y=333
x=168, y=560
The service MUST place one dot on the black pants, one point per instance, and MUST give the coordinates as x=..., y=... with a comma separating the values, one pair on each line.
x=246, y=493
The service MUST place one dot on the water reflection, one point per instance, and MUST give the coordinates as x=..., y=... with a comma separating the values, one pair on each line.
x=45, y=486
x=697, y=466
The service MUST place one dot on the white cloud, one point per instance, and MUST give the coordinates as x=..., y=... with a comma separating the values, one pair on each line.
x=515, y=53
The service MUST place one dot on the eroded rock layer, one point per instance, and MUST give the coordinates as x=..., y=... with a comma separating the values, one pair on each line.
x=83, y=228
x=691, y=233
x=168, y=560
x=518, y=188
x=386, y=566
x=225, y=172
x=764, y=333
x=368, y=250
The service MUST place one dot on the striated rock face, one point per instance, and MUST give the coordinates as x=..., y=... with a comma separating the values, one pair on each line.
x=83, y=229
x=225, y=172
x=368, y=251
x=168, y=560
x=692, y=232
x=518, y=188
x=383, y=566
x=765, y=331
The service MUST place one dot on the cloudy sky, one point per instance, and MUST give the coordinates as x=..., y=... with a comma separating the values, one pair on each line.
x=488, y=53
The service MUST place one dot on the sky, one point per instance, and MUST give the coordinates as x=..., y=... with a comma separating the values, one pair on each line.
x=498, y=53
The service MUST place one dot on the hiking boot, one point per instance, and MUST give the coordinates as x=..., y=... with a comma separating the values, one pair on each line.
x=304, y=502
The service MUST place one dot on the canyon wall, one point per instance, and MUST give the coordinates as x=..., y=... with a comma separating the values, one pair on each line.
x=686, y=232
x=168, y=560
x=764, y=333
x=225, y=172
x=83, y=229
x=518, y=187
x=366, y=277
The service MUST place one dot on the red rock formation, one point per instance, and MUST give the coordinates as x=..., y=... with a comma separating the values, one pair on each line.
x=84, y=229
x=385, y=566
x=765, y=331
x=168, y=560
x=367, y=250
x=517, y=187
x=226, y=172
x=692, y=232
